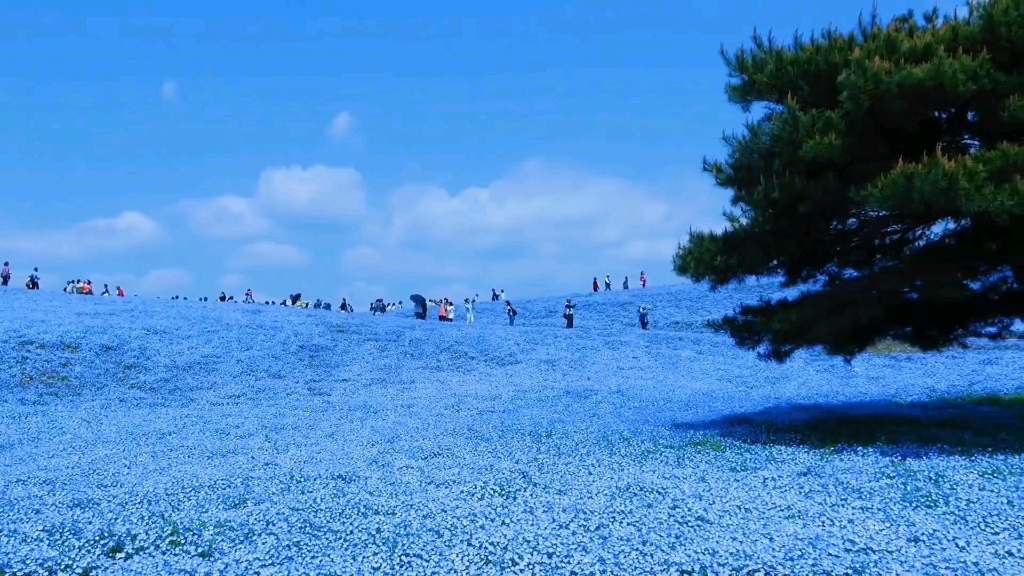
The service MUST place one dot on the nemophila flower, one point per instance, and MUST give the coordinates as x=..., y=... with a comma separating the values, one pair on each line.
x=144, y=437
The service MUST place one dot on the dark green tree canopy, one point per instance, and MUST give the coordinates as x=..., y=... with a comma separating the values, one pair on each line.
x=883, y=179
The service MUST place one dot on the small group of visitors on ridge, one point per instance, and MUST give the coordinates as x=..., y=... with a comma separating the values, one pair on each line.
x=33, y=279
x=625, y=282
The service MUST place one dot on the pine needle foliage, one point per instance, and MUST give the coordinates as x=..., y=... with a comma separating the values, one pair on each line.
x=881, y=179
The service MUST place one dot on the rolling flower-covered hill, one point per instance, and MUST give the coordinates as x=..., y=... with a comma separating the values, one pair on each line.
x=142, y=436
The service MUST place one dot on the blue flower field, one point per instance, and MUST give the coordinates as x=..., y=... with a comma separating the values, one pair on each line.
x=142, y=436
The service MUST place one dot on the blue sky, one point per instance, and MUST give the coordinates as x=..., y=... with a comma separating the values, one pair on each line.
x=367, y=149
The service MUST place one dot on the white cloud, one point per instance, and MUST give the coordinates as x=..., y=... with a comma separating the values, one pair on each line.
x=227, y=217
x=319, y=192
x=98, y=237
x=231, y=281
x=549, y=211
x=540, y=229
x=268, y=255
x=340, y=126
x=164, y=280
x=169, y=91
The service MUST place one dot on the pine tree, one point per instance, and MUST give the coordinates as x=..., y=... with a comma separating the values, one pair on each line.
x=881, y=181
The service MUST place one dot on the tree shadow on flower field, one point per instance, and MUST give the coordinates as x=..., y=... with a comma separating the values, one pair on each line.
x=964, y=426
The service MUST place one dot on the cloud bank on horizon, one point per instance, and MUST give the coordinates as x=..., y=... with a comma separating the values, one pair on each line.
x=541, y=228
x=524, y=147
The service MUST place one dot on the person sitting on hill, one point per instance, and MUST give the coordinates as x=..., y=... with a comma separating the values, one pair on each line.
x=231, y=298
x=625, y=283
x=296, y=298
x=511, y=312
x=317, y=304
x=597, y=287
x=607, y=282
x=570, y=314
x=34, y=279
x=223, y=297
x=642, y=312
x=326, y=306
x=120, y=292
x=106, y=291
x=87, y=288
x=5, y=274
x=70, y=288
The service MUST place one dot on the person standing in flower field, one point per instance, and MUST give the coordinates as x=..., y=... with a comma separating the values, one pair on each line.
x=33, y=280
x=643, y=279
x=570, y=314
x=5, y=274
x=511, y=312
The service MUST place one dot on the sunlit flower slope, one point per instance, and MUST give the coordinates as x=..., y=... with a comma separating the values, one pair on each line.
x=142, y=436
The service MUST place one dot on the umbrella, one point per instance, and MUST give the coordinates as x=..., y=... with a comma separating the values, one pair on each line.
x=421, y=303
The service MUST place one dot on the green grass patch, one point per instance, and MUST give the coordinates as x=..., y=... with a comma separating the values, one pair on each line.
x=712, y=443
x=1015, y=400
x=888, y=346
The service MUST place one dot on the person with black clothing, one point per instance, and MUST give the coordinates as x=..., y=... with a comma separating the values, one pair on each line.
x=644, y=321
x=33, y=280
x=569, y=314
x=511, y=312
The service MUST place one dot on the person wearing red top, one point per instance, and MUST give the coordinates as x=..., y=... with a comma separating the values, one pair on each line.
x=597, y=287
x=120, y=292
x=643, y=280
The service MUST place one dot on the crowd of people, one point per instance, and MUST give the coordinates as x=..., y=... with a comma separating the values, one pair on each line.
x=85, y=287
x=446, y=307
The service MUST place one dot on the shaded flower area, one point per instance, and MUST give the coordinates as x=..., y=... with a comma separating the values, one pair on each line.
x=990, y=424
x=148, y=436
